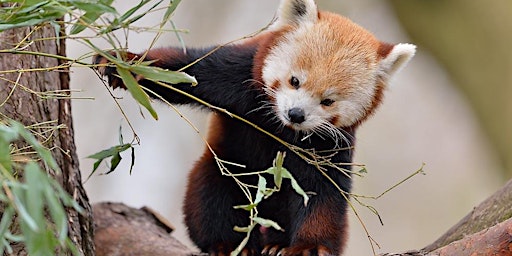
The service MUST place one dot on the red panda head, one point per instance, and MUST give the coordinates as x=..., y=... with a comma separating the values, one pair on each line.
x=322, y=71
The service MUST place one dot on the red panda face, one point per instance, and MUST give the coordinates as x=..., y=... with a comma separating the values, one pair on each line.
x=324, y=72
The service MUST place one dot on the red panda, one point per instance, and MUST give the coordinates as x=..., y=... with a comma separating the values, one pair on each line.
x=310, y=79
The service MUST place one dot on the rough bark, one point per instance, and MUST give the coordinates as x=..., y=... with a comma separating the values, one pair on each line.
x=496, y=241
x=20, y=95
x=121, y=231
x=486, y=230
x=495, y=209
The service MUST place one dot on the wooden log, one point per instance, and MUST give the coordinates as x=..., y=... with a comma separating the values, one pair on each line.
x=122, y=231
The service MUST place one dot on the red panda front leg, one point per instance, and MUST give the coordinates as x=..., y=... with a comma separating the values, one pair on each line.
x=209, y=213
x=224, y=76
x=319, y=228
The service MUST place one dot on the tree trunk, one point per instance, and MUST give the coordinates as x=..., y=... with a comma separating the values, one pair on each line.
x=23, y=98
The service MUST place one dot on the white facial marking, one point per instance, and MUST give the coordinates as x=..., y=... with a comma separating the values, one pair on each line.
x=287, y=98
x=355, y=104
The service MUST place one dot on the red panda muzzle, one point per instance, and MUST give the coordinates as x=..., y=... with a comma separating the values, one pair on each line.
x=296, y=115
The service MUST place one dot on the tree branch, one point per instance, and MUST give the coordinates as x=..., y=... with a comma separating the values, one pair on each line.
x=122, y=230
x=487, y=230
x=495, y=209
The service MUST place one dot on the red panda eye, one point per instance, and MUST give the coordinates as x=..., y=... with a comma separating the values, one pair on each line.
x=294, y=81
x=327, y=102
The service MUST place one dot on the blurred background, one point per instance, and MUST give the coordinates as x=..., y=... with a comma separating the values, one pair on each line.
x=449, y=108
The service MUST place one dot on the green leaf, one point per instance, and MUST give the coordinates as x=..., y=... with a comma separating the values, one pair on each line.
x=173, y=4
x=297, y=187
x=121, y=141
x=106, y=153
x=92, y=13
x=26, y=219
x=57, y=212
x=43, y=152
x=7, y=133
x=113, y=152
x=267, y=223
x=163, y=75
x=133, y=160
x=5, y=155
x=34, y=196
x=278, y=169
x=64, y=197
x=132, y=10
x=114, y=162
x=136, y=91
x=29, y=13
x=5, y=223
x=95, y=167
x=280, y=172
x=262, y=187
x=243, y=229
x=247, y=207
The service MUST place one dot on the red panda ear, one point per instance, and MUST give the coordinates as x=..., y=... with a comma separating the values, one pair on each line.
x=296, y=13
x=394, y=57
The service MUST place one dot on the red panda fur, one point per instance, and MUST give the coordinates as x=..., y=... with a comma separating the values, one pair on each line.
x=312, y=74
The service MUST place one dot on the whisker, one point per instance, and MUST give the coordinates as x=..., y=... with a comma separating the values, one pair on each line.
x=263, y=106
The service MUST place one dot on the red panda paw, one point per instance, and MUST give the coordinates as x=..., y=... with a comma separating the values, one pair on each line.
x=306, y=250
x=272, y=250
x=223, y=250
x=108, y=69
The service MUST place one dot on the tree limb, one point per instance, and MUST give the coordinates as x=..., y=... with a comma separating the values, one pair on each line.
x=122, y=230
x=493, y=210
x=487, y=230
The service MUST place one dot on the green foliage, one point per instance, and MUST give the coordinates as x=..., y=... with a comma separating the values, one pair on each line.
x=31, y=197
x=115, y=154
x=263, y=192
x=85, y=14
x=33, y=12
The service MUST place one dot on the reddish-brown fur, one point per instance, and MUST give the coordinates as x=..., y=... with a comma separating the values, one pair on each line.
x=338, y=57
x=265, y=43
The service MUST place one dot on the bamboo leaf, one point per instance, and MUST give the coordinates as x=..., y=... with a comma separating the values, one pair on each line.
x=267, y=223
x=296, y=187
x=25, y=217
x=136, y=18
x=92, y=13
x=56, y=210
x=5, y=155
x=170, y=10
x=33, y=198
x=113, y=152
x=133, y=160
x=262, y=187
x=243, y=229
x=106, y=153
x=247, y=207
x=43, y=152
x=114, y=162
x=135, y=90
x=163, y=75
x=5, y=223
x=132, y=10
x=278, y=169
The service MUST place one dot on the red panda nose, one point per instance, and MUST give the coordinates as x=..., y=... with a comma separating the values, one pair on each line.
x=296, y=115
